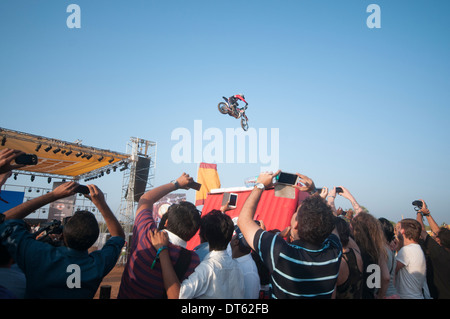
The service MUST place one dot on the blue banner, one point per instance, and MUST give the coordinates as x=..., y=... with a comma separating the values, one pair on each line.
x=10, y=199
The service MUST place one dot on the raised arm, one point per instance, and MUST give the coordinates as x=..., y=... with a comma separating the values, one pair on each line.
x=330, y=200
x=245, y=221
x=352, y=200
x=426, y=212
x=97, y=197
x=419, y=218
x=150, y=197
x=23, y=210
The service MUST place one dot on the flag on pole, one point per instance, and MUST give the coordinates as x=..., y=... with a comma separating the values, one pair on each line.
x=209, y=178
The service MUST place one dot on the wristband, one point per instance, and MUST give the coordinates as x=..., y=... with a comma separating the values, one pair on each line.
x=425, y=213
x=157, y=255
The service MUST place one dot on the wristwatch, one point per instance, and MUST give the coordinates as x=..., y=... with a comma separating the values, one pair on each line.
x=260, y=186
x=175, y=182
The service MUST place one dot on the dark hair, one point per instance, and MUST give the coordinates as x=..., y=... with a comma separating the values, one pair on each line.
x=81, y=230
x=444, y=237
x=183, y=220
x=243, y=246
x=162, y=222
x=217, y=228
x=412, y=229
x=315, y=220
x=343, y=229
x=388, y=229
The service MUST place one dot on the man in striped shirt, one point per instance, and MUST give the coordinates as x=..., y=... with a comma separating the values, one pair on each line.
x=142, y=276
x=307, y=267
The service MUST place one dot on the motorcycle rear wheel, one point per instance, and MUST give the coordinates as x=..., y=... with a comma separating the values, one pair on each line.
x=244, y=124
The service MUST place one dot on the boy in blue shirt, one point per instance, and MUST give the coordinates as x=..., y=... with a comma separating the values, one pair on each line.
x=68, y=271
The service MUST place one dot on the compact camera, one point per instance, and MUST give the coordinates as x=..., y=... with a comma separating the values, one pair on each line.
x=418, y=205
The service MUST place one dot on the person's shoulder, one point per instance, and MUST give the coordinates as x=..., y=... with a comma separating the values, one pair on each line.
x=117, y=240
x=13, y=223
x=18, y=229
x=264, y=233
x=144, y=216
x=176, y=250
x=195, y=258
x=270, y=241
x=334, y=239
x=144, y=213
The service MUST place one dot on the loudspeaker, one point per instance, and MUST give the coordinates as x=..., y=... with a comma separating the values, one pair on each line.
x=140, y=182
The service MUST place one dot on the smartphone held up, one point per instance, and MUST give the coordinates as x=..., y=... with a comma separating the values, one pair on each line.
x=287, y=178
x=230, y=200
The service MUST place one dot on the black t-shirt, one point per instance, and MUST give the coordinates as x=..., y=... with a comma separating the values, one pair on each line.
x=438, y=277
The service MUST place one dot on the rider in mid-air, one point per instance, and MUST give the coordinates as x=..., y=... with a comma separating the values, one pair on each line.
x=233, y=100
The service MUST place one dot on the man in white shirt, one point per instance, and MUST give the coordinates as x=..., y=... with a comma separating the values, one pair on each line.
x=218, y=276
x=411, y=265
x=241, y=252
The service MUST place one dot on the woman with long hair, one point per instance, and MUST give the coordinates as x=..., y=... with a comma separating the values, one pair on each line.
x=370, y=239
x=389, y=235
x=350, y=280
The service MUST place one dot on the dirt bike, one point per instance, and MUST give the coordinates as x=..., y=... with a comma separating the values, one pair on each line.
x=225, y=108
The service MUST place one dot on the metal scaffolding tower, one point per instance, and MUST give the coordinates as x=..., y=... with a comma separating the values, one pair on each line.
x=136, y=176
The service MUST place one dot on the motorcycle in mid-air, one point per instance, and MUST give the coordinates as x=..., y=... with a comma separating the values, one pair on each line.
x=225, y=108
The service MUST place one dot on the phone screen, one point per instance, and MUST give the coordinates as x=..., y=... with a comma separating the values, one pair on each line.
x=233, y=200
x=287, y=178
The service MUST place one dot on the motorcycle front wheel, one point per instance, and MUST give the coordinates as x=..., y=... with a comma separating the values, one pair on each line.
x=223, y=107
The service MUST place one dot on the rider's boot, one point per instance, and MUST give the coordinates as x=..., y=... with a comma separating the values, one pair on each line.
x=233, y=109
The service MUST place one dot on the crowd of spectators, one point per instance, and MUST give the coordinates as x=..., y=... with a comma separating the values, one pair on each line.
x=324, y=253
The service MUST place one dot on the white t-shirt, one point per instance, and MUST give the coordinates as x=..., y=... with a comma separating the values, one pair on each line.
x=412, y=278
x=251, y=276
x=218, y=276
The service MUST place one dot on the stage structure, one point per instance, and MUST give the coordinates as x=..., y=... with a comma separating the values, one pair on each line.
x=59, y=159
x=74, y=161
x=137, y=178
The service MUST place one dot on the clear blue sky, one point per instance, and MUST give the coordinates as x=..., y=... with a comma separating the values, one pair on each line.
x=364, y=108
